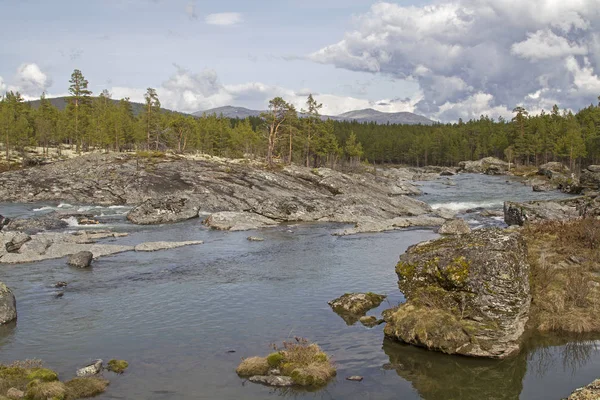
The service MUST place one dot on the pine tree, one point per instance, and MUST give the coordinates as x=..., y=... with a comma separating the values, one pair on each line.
x=80, y=101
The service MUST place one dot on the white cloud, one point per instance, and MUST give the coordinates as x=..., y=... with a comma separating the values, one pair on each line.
x=224, y=19
x=461, y=52
x=30, y=81
x=584, y=78
x=2, y=86
x=545, y=44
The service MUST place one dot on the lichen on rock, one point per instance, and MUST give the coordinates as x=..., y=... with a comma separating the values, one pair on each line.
x=352, y=306
x=465, y=294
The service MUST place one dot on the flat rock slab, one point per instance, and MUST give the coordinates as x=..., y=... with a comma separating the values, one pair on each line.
x=392, y=224
x=155, y=246
x=238, y=221
x=272, y=380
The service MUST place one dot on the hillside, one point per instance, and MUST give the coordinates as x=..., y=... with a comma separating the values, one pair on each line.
x=61, y=104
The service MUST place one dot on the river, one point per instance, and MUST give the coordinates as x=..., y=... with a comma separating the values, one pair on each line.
x=176, y=315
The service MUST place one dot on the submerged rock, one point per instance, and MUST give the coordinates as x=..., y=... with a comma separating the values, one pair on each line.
x=91, y=369
x=255, y=239
x=352, y=306
x=355, y=378
x=455, y=227
x=155, y=246
x=371, y=226
x=465, y=295
x=369, y=321
x=238, y=221
x=164, y=210
x=83, y=259
x=8, y=305
x=272, y=380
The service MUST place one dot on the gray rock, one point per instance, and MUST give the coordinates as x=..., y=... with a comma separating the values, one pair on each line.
x=155, y=246
x=8, y=305
x=355, y=378
x=371, y=226
x=593, y=168
x=82, y=259
x=465, y=295
x=164, y=210
x=255, y=239
x=488, y=165
x=352, y=306
x=550, y=169
x=16, y=242
x=238, y=221
x=272, y=380
x=445, y=213
x=47, y=222
x=544, y=187
x=589, y=392
x=92, y=369
x=590, y=178
x=561, y=210
x=455, y=227
x=3, y=221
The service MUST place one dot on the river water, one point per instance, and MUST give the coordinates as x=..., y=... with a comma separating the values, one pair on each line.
x=175, y=315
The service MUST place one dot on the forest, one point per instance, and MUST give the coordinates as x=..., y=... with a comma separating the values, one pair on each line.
x=282, y=134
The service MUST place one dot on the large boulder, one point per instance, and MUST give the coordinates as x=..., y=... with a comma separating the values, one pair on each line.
x=560, y=210
x=8, y=305
x=164, y=210
x=82, y=259
x=552, y=168
x=465, y=295
x=488, y=165
x=590, y=177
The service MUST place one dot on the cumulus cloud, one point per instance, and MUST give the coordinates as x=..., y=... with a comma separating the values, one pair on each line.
x=29, y=80
x=189, y=91
x=475, y=55
x=224, y=19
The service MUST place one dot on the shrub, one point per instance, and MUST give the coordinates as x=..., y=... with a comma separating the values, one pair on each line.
x=79, y=388
x=253, y=366
x=38, y=390
x=275, y=359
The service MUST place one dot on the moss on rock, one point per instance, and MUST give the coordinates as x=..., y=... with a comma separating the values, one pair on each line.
x=117, y=366
x=39, y=390
x=84, y=387
x=253, y=366
x=42, y=374
x=275, y=359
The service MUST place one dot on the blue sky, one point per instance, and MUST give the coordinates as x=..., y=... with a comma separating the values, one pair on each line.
x=430, y=57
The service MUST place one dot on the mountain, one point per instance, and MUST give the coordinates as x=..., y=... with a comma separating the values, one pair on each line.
x=61, y=104
x=366, y=115
x=370, y=115
x=230, y=112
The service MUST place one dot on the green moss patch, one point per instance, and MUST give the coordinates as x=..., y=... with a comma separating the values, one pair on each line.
x=117, y=366
x=81, y=388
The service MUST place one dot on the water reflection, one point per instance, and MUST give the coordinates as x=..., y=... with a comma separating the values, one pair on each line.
x=438, y=376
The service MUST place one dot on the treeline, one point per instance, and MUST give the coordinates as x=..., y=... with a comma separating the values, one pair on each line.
x=280, y=135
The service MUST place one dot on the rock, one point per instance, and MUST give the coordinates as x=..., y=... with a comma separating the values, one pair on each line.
x=550, y=169
x=15, y=394
x=492, y=213
x=445, y=213
x=3, y=221
x=352, y=306
x=391, y=224
x=590, y=178
x=237, y=221
x=92, y=369
x=543, y=187
x=272, y=380
x=589, y=392
x=47, y=222
x=466, y=295
x=368, y=321
x=355, y=378
x=488, y=165
x=164, y=210
x=60, y=284
x=447, y=172
x=16, y=242
x=83, y=259
x=8, y=305
x=155, y=246
x=455, y=227
x=561, y=210
x=255, y=239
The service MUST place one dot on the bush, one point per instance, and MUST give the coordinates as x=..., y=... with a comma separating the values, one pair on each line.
x=253, y=366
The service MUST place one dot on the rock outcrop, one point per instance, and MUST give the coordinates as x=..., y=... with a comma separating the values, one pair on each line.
x=551, y=169
x=590, y=177
x=8, y=305
x=589, y=392
x=465, y=295
x=488, y=166
x=175, y=188
x=164, y=210
x=237, y=221
x=561, y=210
x=352, y=306
x=392, y=224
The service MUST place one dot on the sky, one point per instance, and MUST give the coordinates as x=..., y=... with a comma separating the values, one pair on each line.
x=445, y=59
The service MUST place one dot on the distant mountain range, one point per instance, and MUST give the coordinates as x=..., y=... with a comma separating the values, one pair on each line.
x=366, y=115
